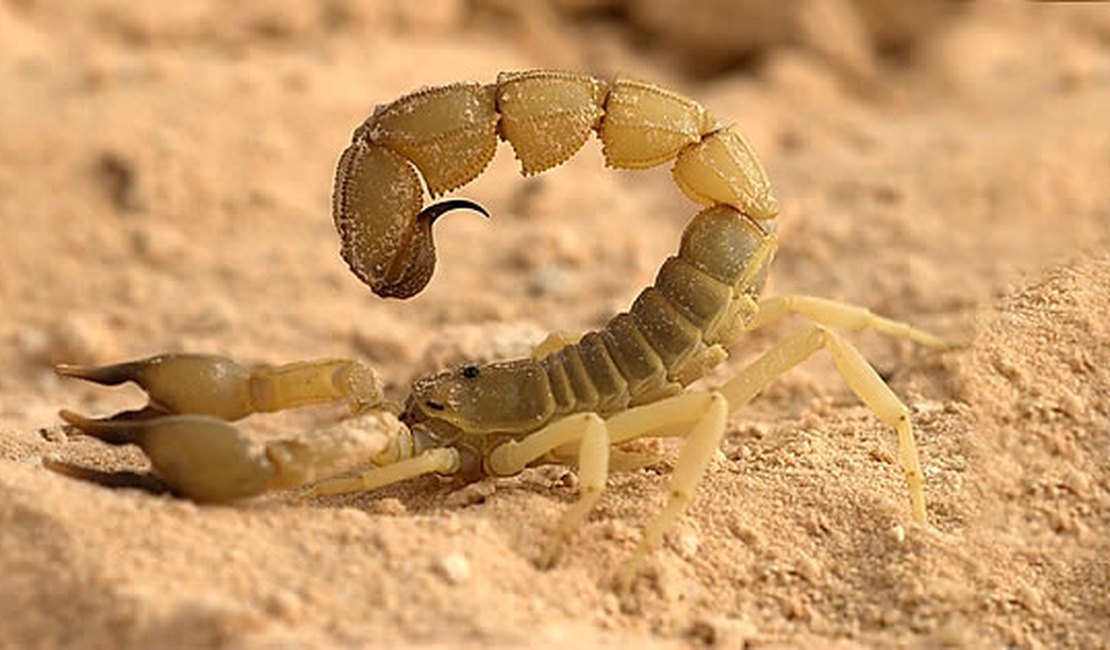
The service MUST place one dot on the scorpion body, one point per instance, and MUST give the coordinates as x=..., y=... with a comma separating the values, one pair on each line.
x=573, y=399
x=669, y=338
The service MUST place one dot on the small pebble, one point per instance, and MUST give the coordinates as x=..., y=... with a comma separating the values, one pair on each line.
x=1031, y=597
x=389, y=506
x=286, y=605
x=160, y=245
x=472, y=494
x=619, y=531
x=702, y=632
x=898, y=533
x=1078, y=482
x=610, y=604
x=808, y=568
x=686, y=545
x=747, y=534
x=454, y=567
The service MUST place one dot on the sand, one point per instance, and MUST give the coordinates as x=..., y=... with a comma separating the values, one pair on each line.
x=165, y=177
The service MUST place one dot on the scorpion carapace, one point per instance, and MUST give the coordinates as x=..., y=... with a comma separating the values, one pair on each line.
x=446, y=136
x=575, y=398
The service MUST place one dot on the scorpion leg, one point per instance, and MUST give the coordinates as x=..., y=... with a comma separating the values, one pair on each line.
x=593, y=439
x=441, y=460
x=861, y=378
x=708, y=415
x=832, y=313
x=698, y=416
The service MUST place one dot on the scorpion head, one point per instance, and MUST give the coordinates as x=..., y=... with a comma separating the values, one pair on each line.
x=507, y=397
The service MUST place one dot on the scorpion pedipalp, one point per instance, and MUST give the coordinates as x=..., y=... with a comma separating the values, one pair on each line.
x=178, y=383
x=198, y=456
x=196, y=452
x=209, y=460
x=208, y=384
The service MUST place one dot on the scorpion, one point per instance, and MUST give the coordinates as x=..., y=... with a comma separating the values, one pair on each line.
x=575, y=399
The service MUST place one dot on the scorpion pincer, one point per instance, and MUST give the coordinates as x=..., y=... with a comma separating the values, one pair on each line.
x=574, y=399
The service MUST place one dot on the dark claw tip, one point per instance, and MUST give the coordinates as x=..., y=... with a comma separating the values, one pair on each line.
x=76, y=419
x=105, y=375
x=118, y=479
x=115, y=430
x=71, y=370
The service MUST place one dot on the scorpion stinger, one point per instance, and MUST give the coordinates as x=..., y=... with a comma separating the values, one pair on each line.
x=436, y=210
x=412, y=268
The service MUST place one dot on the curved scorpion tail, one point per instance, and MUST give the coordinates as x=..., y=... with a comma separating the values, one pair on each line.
x=444, y=137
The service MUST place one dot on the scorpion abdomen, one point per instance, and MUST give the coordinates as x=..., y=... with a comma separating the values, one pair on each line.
x=641, y=355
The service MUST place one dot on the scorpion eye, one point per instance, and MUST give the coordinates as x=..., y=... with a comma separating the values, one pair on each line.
x=470, y=371
x=435, y=406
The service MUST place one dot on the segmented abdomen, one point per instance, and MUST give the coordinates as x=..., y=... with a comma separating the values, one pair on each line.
x=646, y=353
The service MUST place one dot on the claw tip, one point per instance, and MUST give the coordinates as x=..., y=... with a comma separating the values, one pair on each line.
x=67, y=369
x=74, y=419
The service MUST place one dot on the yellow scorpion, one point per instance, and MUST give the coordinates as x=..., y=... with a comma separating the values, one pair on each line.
x=573, y=399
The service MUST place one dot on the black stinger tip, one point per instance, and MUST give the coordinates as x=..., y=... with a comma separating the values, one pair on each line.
x=436, y=210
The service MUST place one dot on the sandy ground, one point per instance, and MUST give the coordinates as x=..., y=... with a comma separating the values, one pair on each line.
x=165, y=176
